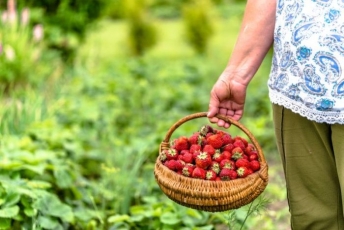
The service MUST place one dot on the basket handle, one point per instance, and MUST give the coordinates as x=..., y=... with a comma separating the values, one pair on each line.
x=166, y=142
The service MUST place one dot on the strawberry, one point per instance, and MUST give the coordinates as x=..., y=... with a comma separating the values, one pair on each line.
x=226, y=138
x=226, y=155
x=205, y=129
x=171, y=154
x=193, y=139
x=242, y=163
x=254, y=165
x=210, y=175
x=228, y=147
x=179, y=165
x=162, y=155
x=229, y=164
x=243, y=172
x=233, y=174
x=187, y=158
x=239, y=143
x=215, y=140
x=184, y=151
x=209, y=149
x=171, y=164
x=195, y=147
x=253, y=157
x=199, y=173
x=187, y=170
x=225, y=174
x=249, y=148
x=196, y=153
x=203, y=160
x=243, y=140
x=217, y=156
x=181, y=143
x=217, y=178
x=237, y=153
x=215, y=166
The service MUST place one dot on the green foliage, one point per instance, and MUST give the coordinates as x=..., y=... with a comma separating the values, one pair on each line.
x=142, y=33
x=198, y=24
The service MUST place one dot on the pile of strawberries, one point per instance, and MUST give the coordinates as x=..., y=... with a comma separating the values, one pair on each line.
x=211, y=154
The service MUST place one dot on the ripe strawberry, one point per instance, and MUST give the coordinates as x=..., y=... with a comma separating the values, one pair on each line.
x=171, y=154
x=215, y=140
x=233, y=174
x=187, y=170
x=179, y=165
x=181, y=143
x=253, y=157
x=215, y=166
x=210, y=175
x=242, y=163
x=229, y=164
x=226, y=155
x=225, y=174
x=228, y=147
x=199, y=173
x=193, y=139
x=184, y=151
x=196, y=153
x=217, y=156
x=239, y=143
x=187, y=158
x=254, y=165
x=249, y=148
x=209, y=149
x=243, y=140
x=243, y=172
x=226, y=138
x=237, y=153
x=217, y=178
x=171, y=164
x=203, y=160
x=195, y=147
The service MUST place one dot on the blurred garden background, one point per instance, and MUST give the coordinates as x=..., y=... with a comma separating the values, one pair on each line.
x=89, y=90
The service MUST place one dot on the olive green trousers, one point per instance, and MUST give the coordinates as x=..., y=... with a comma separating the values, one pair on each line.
x=313, y=159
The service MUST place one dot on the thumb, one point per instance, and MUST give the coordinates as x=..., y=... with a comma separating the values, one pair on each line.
x=212, y=111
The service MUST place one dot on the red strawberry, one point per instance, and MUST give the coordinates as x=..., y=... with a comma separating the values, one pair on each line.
x=217, y=178
x=249, y=148
x=209, y=149
x=199, y=173
x=243, y=172
x=255, y=165
x=203, y=160
x=237, y=153
x=171, y=154
x=215, y=166
x=196, y=153
x=243, y=140
x=184, y=151
x=233, y=174
x=210, y=175
x=171, y=164
x=239, y=143
x=228, y=147
x=226, y=138
x=225, y=174
x=226, y=155
x=217, y=156
x=215, y=140
x=227, y=164
x=179, y=165
x=242, y=163
x=187, y=158
x=187, y=170
x=193, y=139
x=253, y=157
x=195, y=147
x=181, y=143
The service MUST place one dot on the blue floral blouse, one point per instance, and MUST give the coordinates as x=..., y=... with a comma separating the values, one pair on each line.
x=307, y=67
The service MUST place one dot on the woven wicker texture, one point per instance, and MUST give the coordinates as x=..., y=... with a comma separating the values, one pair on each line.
x=211, y=196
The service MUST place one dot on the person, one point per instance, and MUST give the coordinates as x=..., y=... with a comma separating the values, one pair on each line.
x=306, y=90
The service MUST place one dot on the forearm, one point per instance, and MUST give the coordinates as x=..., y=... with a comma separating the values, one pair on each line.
x=254, y=40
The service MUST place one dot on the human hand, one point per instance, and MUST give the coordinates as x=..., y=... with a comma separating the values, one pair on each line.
x=227, y=97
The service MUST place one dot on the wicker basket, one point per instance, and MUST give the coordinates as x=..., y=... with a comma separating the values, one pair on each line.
x=211, y=196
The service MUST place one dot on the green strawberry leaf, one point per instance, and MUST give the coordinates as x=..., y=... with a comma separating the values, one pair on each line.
x=9, y=212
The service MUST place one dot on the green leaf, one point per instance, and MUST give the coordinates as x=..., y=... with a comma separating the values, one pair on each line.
x=51, y=205
x=11, y=199
x=118, y=218
x=5, y=223
x=47, y=222
x=9, y=212
x=63, y=177
x=169, y=218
